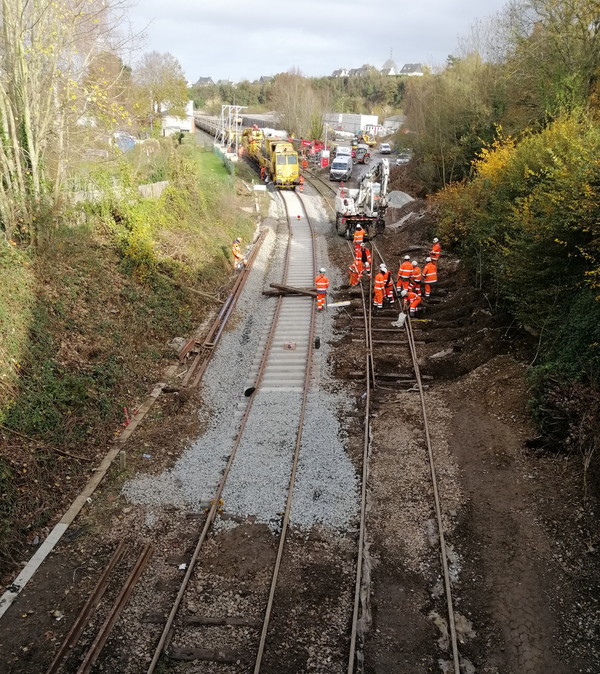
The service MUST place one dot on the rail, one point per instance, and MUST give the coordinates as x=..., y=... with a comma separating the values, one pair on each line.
x=168, y=627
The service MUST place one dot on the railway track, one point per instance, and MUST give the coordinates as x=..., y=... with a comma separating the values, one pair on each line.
x=281, y=368
x=361, y=585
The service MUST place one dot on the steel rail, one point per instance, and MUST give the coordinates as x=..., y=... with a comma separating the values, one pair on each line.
x=436, y=496
x=167, y=630
x=81, y=621
x=290, y=495
x=211, y=339
x=370, y=378
x=121, y=601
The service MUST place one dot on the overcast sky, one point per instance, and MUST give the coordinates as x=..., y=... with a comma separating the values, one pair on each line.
x=236, y=40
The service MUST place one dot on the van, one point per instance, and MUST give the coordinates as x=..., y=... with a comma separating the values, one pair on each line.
x=343, y=150
x=341, y=168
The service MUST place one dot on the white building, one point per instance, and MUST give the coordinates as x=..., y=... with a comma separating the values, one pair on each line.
x=172, y=124
x=349, y=123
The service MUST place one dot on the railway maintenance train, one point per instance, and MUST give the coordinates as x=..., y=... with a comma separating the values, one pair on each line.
x=277, y=156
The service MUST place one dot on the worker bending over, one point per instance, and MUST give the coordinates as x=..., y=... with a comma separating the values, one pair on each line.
x=379, y=286
x=321, y=284
x=410, y=301
x=355, y=272
x=404, y=273
x=429, y=275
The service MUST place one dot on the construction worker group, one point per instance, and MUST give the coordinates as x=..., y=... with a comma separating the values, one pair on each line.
x=409, y=281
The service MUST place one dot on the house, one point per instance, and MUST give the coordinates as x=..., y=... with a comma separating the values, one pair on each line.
x=389, y=68
x=171, y=124
x=412, y=69
x=227, y=83
x=341, y=72
x=204, y=82
x=266, y=78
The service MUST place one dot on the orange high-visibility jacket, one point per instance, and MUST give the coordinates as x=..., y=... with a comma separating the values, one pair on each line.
x=380, y=281
x=430, y=272
x=321, y=283
x=415, y=276
x=405, y=270
x=412, y=299
x=365, y=256
x=436, y=251
x=356, y=267
x=359, y=236
x=236, y=251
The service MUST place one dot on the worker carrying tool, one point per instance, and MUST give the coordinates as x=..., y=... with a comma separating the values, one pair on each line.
x=359, y=236
x=239, y=261
x=410, y=301
x=404, y=273
x=321, y=284
x=363, y=254
x=414, y=283
x=379, y=286
x=429, y=275
x=355, y=271
x=436, y=250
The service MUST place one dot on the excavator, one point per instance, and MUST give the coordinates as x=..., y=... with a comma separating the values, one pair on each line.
x=365, y=205
x=363, y=137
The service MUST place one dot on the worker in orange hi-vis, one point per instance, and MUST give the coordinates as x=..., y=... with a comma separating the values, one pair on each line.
x=415, y=278
x=404, y=274
x=436, y=250
x=355, y=271
x=410, y=301
x=379, y=287
x=359, y=236
x=321, y=284
x=429, y=275
x=363, y=254
x=388, y=290
x=301, y=183
x=239, y=260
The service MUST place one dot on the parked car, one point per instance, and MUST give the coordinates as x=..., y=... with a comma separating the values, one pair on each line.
x=403, y=158
x=385, y=148
x=341, y=168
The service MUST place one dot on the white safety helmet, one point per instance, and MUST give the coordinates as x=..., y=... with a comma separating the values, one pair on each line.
x=407, y=257
x=404, y=293
x=427, y=259
x=358, y=225
x=415, y=263
x=435, y=240
x=322, y=270
x=382, y=267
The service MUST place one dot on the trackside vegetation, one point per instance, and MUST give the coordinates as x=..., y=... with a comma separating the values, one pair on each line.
x=528, y=222
x=85, y=319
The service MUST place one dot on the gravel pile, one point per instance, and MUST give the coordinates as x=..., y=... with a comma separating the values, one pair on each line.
x=326, y=486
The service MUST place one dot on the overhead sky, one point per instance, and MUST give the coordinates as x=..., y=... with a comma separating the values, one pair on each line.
x=237, y=39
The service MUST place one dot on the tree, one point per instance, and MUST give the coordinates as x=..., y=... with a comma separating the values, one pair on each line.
x=161, y=86
x=299, y=105
x=47, y=50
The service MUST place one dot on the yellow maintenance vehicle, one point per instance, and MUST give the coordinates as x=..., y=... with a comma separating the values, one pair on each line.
x=364, y=137
x=275, y=156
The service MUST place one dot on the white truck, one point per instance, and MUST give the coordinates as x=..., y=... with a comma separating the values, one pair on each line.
x=365, y=205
